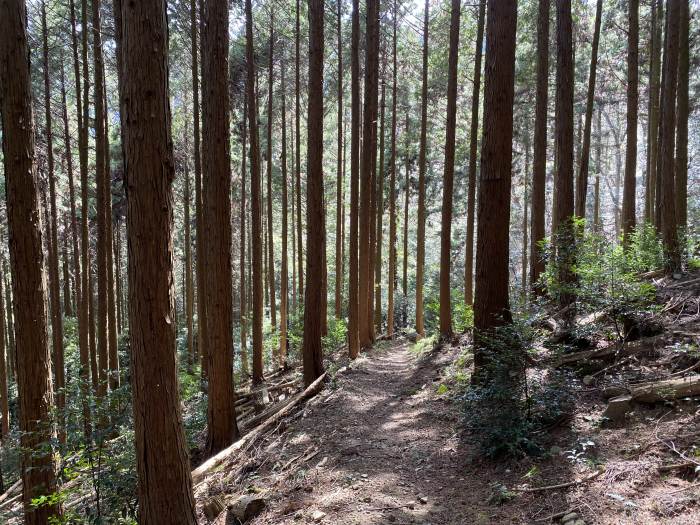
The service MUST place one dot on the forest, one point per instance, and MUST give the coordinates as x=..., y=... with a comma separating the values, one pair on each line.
x=390, y=261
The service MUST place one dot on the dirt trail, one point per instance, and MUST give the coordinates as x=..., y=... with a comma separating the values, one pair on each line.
x=387, y=449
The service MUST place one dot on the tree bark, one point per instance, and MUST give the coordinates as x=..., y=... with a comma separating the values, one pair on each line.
x=338, y=303
x=668, y=132
x=216, y=207
x=368, y=162
x=473, y=147
x=353, y=278
x=630, y=182
x=379, y=210
x=256, y=215
x=297, y=124
x=653, y=131
x=582, y=181
x=681, y=161
x=392, y=185
x=35, y=389
x=164, y=479
x=312, y=350
x=448, y=176
x=284, y=284
x=243, y=298
x=564, y=133
x=491, y=305
x=54, y=279
x=407, y=193
x=270, y=239
x=420, y=249
x=4, y=394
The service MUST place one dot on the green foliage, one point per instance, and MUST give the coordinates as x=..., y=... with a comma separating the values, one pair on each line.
x=336, y=336
x=508, y=406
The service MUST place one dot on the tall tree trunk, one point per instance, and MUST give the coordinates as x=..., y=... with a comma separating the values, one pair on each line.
x=199, y=219
x=659, y=182
x=420, y=249
x=4, y=394
x=629, y=201
x=101, y=204
x=681, y=166
x=67, y=297
x=54, y=279
x=313, y=351
x=284, y=284
x=34, y=383
x=353, y=279
x=598, y=172
x=582, y=181
x=244, y=314
x=293, y=226
x=491, y=306
x=653, y=127
x=189, y=287
x=392, y=185
x=668, y=123
x=526, y=198
x=164, y=480
x=564, y=133
x=379, y=211
x=406, y=196
x=473, y=147
x=109, y=241
x=256, y=212
x=270, y=238
x=448, y=176
x=338, y=303
x=297, y=125
x=216, y=205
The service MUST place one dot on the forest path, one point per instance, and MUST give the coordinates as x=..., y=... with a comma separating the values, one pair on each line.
x=388, y=449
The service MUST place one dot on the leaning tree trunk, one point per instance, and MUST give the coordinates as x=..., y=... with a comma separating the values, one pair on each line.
x=35, y=390
x=473, y=147
x=312, y=352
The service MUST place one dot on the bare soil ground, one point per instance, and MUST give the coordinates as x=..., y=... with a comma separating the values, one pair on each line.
x=384, y=443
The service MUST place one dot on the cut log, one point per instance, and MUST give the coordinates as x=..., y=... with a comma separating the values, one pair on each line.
x=641, y=346
x=667, y=389
x=618, y=407
x=245, y=508
x=246, y=441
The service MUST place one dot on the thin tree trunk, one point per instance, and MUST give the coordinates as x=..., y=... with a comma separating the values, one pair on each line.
x=293, y=228
x=54, y=280
x=668, y=122
x=338, y=303
x=109, y=244
x=35, y=392
x=270, y=239
x=598, y=171
x=101, y=204
x=380, y=211
x=448, y=176
x=313, y=351
x=297, y=124
x=659, y=179
x=284, y=293
x=681, y=162
x=243, y=303
x=491, y=305
x=256, y=212
x=165, y=483
x=189, y=287
x=4, y=394
x=526, y=198
x=653, y=131
x=630, y=184
x=392, y=185
x=582, y=181
x=216, y=207
x=407, y=193
x=420, y=249
x=473, y=147
x=353, y=279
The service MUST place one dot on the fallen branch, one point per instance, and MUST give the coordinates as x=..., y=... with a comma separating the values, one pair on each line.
x=563, y=485
x=557, y=515
x=676, y=466
x=667, y=389
x=612, y=352
x=12, y=490
x=246, y=441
